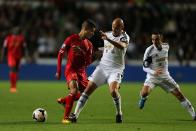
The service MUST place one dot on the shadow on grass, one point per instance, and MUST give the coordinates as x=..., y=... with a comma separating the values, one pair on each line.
x=186, y=120
x=28, y=123
x=97, y=122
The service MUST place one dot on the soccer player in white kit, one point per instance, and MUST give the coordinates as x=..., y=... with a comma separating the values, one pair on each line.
x=155, y=64
x=109, y=70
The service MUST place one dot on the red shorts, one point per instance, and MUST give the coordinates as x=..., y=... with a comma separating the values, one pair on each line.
x=79, y=76
x=13, y=62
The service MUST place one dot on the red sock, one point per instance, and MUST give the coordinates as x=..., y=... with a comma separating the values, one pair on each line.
x=63, y=100
x=13, y=79
x=69, y=104
x=77, y=96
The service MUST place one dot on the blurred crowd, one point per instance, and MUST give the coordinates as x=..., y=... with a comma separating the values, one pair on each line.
x=46, y=24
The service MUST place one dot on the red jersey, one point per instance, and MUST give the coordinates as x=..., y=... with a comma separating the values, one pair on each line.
x=79, y=52
x=15, y=45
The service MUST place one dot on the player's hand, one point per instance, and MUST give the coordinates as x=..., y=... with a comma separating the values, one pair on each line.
x=58, y=76
x=158, y=72
x=103, y=35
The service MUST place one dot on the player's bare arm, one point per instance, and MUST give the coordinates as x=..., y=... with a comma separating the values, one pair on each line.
x=59, y=61
x=120, y=45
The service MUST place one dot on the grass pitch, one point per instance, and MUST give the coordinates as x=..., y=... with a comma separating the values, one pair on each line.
x=162, y=111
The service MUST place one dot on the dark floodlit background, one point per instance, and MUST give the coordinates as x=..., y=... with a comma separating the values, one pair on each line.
x=46, y=23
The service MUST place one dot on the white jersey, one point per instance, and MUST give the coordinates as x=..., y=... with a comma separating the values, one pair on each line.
x=155, y=59
x=114, y=57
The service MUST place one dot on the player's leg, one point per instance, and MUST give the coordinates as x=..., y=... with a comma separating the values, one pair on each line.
x=114, y=81
x=184, y=102
x=82, y=83
x=69, y=100
x=171, y=86
x=13, y=74
x=114, y=91
x=82, y=101
x=145, y=91
x=144, y=94
x=62, y=100
x=95, y=80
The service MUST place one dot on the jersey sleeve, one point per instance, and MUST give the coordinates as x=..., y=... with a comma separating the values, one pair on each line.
x=147, y=60
x=125, y=38
x=146, y=54
x=166, y=45
x=66, y=44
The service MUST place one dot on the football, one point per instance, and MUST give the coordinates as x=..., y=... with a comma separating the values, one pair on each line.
x=39, y=115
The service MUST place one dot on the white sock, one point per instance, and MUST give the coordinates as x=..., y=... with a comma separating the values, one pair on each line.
x=80, y=104
x=117, y=103
x=187, y=105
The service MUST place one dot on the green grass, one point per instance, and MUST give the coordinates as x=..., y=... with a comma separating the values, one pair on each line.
x=161, y=113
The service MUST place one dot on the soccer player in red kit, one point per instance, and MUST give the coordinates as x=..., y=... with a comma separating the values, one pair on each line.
x=16, y=46
x=79, y=55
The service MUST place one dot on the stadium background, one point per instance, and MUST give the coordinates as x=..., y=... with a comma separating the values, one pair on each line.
x=46, y=23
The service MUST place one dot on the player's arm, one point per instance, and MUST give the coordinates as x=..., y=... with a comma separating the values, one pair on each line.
x=59, y=61
x=60, y=57
x=146, y=68
x=147, y=61
x=121, y=45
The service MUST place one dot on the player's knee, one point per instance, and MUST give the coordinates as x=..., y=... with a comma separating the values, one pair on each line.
x=73, y=91
x=114, y=91
x=144, y=94
x=90, y=88
x=145, y=91
x=73, y=86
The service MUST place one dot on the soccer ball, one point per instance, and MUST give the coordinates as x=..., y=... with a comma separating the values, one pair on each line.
x=39, y=115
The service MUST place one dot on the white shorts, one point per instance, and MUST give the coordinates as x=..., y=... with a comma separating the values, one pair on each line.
x=102, y=75
x=168, y=84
